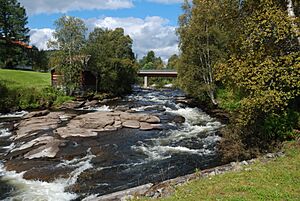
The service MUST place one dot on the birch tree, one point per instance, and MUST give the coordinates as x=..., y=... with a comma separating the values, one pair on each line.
x=69, y=40
x=204, y=43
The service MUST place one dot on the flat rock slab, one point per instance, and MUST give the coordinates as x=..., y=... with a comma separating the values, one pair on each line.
x=88, y=125
x=31, y=126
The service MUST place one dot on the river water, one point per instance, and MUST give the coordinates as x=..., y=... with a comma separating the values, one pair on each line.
x=129, y=157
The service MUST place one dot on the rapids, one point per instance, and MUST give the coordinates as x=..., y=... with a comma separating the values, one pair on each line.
x=128, y=157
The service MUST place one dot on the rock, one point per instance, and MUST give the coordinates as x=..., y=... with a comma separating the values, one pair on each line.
x=179, y=119
x=49, y=150
x=123, y=195
x=146, y=126
x=244, y=163
x=72, y=105
x=37, y=141
x=118, y=124
x=74, y=131
x=32, y=126
x=36, y=114
x=270, y=155
x=92, y=103
x=122, y=108
x=47, y=174
x=110, y=128
x=131, y=124
x=150, y=119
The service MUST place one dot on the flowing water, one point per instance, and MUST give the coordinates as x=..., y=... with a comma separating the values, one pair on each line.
x=128, y=158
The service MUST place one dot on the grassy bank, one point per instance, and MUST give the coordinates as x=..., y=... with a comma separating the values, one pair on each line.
x=27, y=90
x=274, y=180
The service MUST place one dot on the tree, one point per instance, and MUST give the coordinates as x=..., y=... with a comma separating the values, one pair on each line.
x=267, y=67
x=112, y=60
x=150, y=61
x=173, y=62
x=204, y=42
x=13, y=29
x=69, y=40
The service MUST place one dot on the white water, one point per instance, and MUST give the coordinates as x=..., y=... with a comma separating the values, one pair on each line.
x=29, y=190
x=5, y=133
x=198, y=127
x=14, y=114
x=196, y=123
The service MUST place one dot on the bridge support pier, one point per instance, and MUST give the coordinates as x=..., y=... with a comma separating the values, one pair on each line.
x=146, y=82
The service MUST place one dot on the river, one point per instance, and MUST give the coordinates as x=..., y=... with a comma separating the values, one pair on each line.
x=129, y=157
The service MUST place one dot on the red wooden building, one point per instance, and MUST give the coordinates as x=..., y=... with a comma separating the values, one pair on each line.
x=88, y=80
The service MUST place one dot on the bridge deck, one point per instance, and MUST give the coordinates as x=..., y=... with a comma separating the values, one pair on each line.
x=157, y=73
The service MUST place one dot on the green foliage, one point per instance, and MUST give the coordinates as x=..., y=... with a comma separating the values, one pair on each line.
x=25, y=89
x=228, y=99
x=204, y=41
x=173, y=62
x=267, y=65
x=69, y=41
x=280, y=126
x=112, y=60
x=150, y=61
x=12, y=28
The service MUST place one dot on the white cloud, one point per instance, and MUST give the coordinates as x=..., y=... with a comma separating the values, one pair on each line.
x=63, y=6
x=151, y=33
x=40, y=37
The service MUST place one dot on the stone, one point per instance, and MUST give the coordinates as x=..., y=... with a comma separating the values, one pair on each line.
x=131, y=124
x=49, y=150
x=110, y=128
x=122, y=108
x=36, y=114
x=37, y=141
x=150, y=119
x=146, y=126
x=179, y=119
x=118, y=124
x=72, y=131
x=31, y=126
x=92, y=103
x=72, y=105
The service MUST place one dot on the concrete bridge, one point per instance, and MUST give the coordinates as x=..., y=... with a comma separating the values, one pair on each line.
x=156, y=73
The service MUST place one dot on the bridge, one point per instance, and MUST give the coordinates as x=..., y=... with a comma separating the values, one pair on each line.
x=156, y=73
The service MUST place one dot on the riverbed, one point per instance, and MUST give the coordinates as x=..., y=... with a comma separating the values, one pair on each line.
x=113, y=160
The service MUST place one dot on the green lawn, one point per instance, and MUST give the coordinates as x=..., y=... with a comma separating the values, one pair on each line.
x=274, y=180
x=25, y=79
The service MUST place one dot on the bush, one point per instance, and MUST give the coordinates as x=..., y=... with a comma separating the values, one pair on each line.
x=280, y=126
x=12, y=99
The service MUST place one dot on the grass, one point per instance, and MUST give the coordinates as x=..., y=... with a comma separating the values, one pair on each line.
x=275, y=180
x=27, y=90
x=25, y=79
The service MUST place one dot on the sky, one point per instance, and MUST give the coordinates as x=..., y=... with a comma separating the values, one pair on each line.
x=150, y=23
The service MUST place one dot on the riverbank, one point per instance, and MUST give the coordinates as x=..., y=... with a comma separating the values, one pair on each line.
x=267, y=178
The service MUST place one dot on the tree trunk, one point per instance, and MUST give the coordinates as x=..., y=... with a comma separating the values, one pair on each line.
x=291, y=13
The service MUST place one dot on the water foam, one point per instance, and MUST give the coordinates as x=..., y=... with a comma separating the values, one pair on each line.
x=14, y=114
x=5, y=133
x=39, y=190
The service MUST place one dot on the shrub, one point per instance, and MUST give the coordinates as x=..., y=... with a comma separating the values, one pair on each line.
x=280, y=126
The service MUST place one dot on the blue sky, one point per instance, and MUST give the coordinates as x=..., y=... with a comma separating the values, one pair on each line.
x=150, y=23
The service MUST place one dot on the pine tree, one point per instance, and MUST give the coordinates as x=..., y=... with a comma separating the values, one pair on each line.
x=13, y=28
